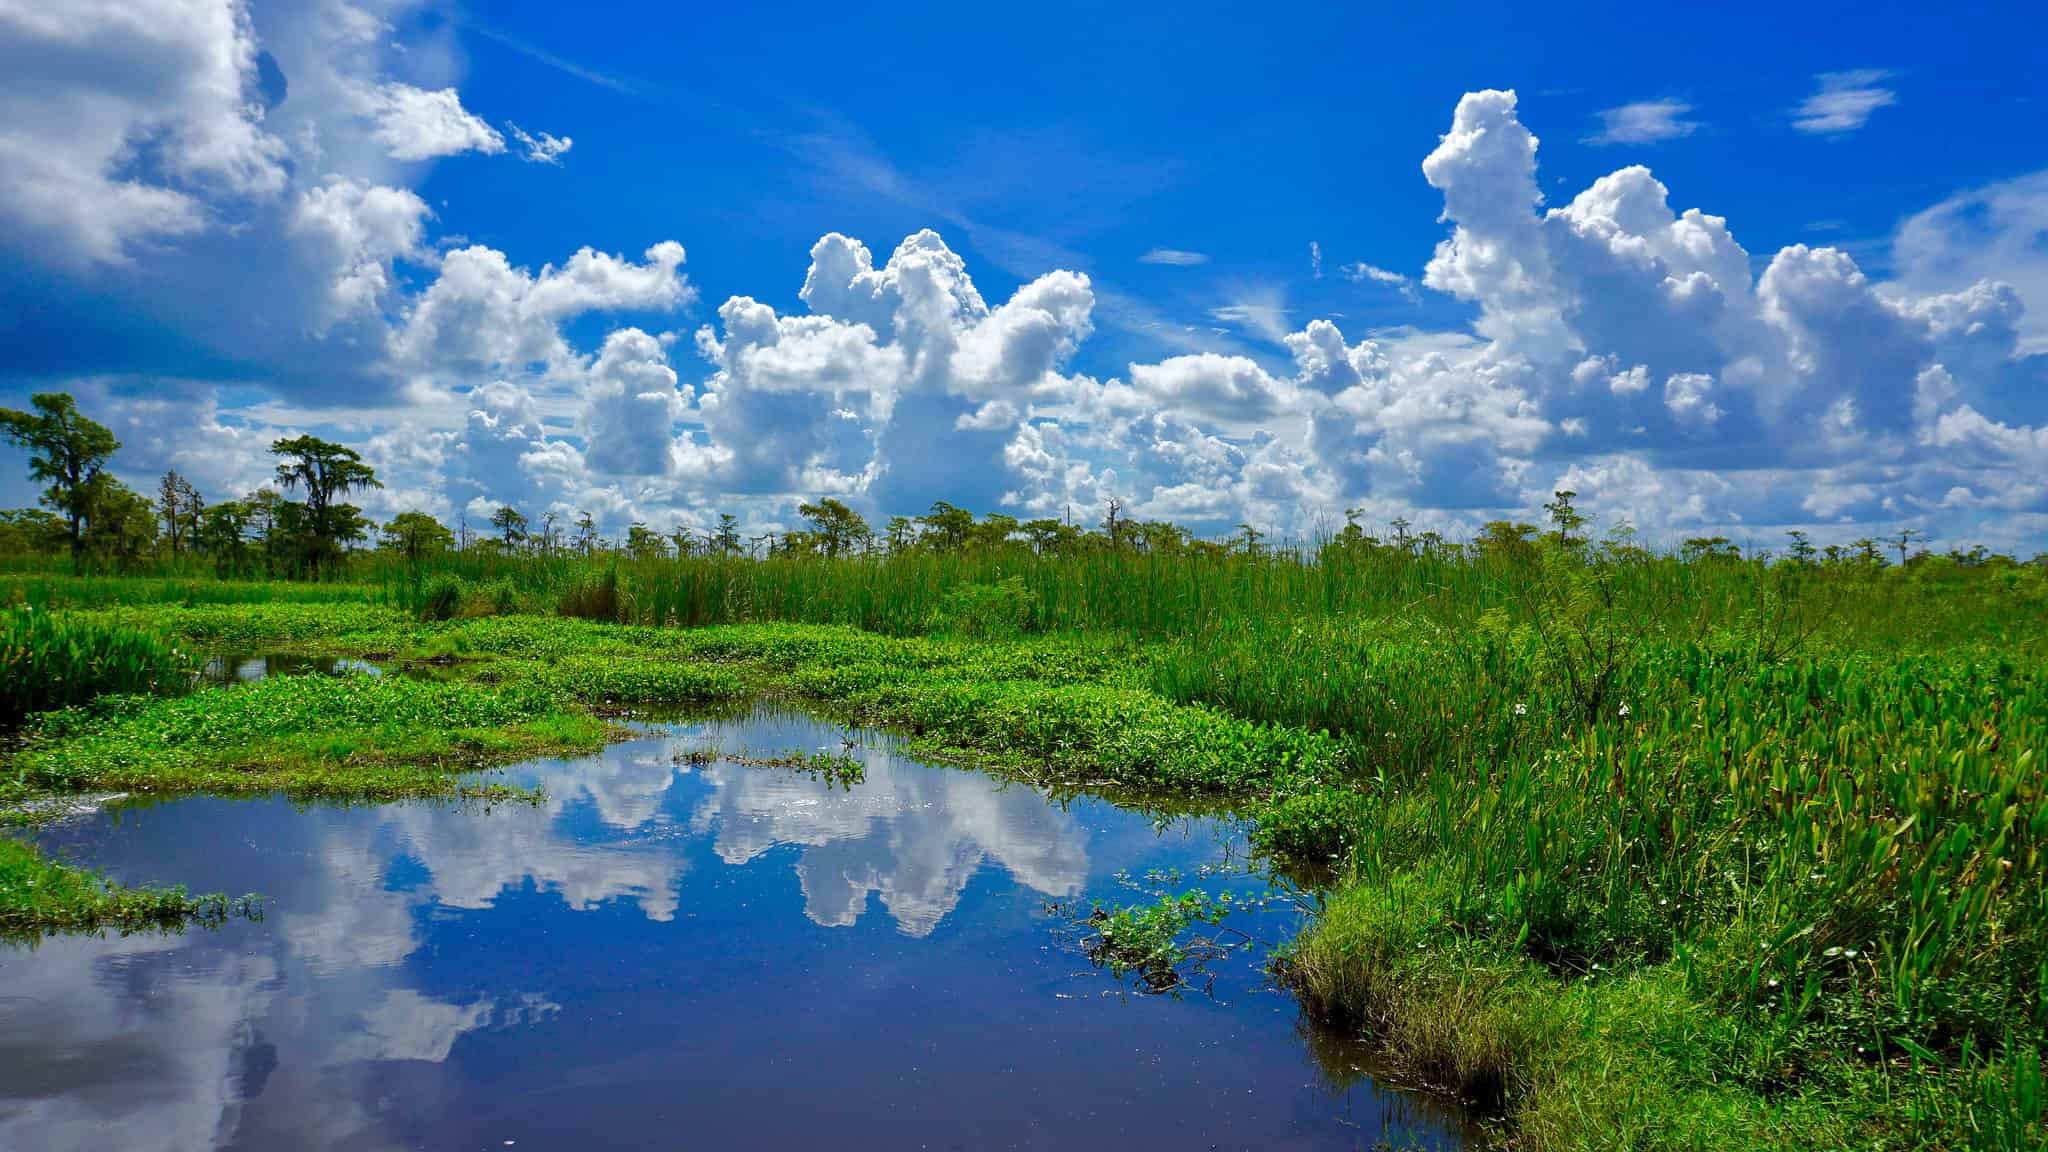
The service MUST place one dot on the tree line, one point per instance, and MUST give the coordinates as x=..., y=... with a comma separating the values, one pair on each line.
x=100, y=521
x=304, y=526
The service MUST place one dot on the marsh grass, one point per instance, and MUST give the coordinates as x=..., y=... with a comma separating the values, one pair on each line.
x=49, y=660
x=39, y=897
x=1167, y=594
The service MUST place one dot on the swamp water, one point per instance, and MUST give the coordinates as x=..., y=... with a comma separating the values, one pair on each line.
x=674, y=950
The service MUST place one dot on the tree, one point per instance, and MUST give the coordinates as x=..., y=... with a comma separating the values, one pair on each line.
x=946, y=527
x=902, y=533
x=839, y=529
x=1698, y=548
x=511, y=525
x=547, y=531
x=995, y=529
x=30, y=530
x=586, y=533
x=67, y=451
x=121, y=523
x=224, y=534
x=1400, y=525
x=416, y=536
x=1160, y=537
x=1247, y=540
x=1113, y=527
x=728, y=536
x=644, y=543
x=167, y=506
x=326, y=471
x=180, y=506
x=1046, y=534
x=1903, y=541
x=1506, y=540
x=1566, y=519
x=1802, y=548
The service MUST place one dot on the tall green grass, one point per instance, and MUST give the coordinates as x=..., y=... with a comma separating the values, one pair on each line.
x=1172, y=594
x=1816, y=824
x=51, y=591
x=50, y=660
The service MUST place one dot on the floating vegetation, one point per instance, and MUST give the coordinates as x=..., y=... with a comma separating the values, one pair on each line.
x=1166, y=947
x=841, y=768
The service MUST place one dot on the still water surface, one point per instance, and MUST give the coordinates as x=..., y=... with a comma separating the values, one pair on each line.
x=667, y=953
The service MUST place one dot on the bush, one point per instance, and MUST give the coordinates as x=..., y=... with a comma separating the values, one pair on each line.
x=442, y=598
x=1005, y=608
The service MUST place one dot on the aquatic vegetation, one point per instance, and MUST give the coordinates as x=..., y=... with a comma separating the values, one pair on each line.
x=1161, y=944
x=310, y=736
x=840, y=768
x=612, y=681
x=49, y=660
x=39, y=896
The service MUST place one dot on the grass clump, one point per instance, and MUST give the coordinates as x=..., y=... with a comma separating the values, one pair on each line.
x=50, y=660
x=39, y=897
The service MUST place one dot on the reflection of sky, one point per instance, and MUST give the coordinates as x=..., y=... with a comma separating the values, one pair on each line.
x=653, y=936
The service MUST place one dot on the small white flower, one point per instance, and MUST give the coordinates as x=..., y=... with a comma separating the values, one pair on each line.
x=1624, y=710
x=1521, y=709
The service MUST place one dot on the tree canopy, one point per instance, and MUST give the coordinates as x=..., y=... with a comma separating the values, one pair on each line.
x=68, y=452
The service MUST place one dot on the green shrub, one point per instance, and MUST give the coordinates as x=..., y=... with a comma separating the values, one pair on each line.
x=1004, y=608
x=442, y=598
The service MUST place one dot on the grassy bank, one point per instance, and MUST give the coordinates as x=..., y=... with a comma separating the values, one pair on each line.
x=1634, y=855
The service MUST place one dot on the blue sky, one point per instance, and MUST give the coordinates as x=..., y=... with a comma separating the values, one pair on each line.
x=1180, y=257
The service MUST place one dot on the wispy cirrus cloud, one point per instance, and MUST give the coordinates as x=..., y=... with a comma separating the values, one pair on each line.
x=1645, y=122
x=543, y=148
x=1361, y=271
x=1178, y=257
x=1844, y=102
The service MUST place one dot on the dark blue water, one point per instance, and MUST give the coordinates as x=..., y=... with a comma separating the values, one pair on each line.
x=665, y=954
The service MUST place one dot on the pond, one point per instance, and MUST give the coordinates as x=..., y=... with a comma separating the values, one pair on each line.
x=676, y=948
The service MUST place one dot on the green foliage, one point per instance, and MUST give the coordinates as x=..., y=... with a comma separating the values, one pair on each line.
x=1149, y=941
x=416, y=536
x=67, y=452
x=837, y=529
x=594, y=597
x=1005, y=608
x=345, y=736
x=320, y=528
x=39, y=897
x=442, y=597
x=610, y=680
x=52, y=660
